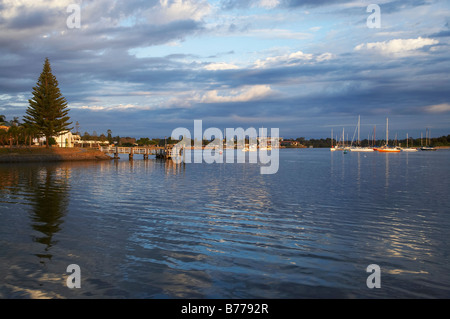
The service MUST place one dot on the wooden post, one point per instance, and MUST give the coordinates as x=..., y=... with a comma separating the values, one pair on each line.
x=131, y=154
x=146, y=154
x=116, y=154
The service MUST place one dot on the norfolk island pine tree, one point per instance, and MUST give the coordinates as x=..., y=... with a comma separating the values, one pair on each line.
x=47, y=113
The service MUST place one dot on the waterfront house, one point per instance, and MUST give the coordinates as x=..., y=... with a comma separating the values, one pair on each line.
x=65, y=139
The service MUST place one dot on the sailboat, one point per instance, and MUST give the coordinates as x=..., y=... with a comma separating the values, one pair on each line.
x=338, y=147
x=335, y=147
x=359, y=148
x=427, y=147
x=408, y=149
x=386, y=148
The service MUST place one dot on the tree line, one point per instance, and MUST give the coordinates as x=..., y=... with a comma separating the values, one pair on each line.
x=16, y=133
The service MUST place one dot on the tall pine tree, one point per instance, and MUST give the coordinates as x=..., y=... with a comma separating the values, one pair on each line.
x=48, y=112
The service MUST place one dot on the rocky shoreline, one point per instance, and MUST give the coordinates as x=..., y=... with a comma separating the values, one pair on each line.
x=27, y=155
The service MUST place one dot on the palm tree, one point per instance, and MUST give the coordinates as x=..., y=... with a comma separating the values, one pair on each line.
x=15, y=121
x=3, y=137
x=29, y=133
x=12, y=134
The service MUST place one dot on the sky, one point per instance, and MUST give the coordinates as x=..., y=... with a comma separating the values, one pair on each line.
x=143, y=68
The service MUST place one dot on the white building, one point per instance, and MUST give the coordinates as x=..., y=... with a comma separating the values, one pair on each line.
x=66, y=139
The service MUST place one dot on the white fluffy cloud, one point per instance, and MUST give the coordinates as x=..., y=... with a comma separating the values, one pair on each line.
x=397, y=46
x=291, y=59
x=244, y=94
x=219, y=66
x=269, y=4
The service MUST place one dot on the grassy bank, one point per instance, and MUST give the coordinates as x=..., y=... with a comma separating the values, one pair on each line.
x=53, y=154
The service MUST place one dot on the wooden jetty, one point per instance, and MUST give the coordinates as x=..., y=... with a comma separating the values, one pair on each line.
x=159, y=152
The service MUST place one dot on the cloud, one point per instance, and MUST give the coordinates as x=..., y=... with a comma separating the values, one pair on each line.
x=397, y=46
x=292, y=59
x=246, y=94
x=279, y=34
x=119, y=107
x=438, y=108
x=220, y=66
x=270, y=4
x=174, y=10
x=41, y=25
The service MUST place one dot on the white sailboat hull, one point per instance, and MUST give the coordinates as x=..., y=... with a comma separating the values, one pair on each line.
x=362, y=149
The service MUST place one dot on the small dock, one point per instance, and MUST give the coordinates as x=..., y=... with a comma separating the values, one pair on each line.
x=160, y=152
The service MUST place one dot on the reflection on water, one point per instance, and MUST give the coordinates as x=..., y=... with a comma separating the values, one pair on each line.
x=46, y=191
x=48, y=188
x=154, y=229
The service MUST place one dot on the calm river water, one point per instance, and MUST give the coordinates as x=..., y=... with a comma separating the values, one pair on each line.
x=151, y=229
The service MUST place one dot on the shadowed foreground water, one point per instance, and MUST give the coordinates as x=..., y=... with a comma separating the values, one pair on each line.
x=151, y=229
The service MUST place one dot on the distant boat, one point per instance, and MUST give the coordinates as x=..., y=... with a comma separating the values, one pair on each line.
x=409, y=149
x=359, y=148
x=428, y=148
x=333, y=148
x=338, y=147
x=387, y=148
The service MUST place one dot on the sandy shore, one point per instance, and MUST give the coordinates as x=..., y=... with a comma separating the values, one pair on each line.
x=55, y=154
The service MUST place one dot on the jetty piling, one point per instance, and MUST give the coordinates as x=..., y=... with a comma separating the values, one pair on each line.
x=160, y=153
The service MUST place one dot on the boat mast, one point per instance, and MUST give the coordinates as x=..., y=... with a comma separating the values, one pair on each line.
x=387, y=131
x=331, y=138
x=359, y=127
x=374, y=131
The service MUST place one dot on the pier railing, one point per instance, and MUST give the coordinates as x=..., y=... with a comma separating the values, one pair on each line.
x=159, y=152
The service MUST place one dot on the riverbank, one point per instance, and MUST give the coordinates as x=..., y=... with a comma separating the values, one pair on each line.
x=53, y=154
